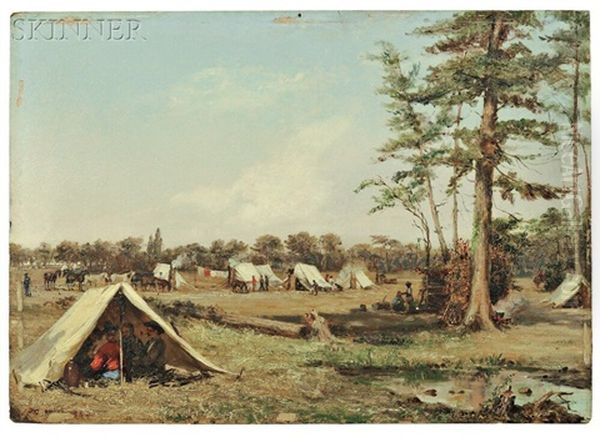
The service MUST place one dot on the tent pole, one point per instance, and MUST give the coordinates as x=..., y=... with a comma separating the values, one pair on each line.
x=121, y=353
x=121, y=314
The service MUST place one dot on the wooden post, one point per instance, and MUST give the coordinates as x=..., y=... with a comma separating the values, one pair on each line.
x=587, y=345
x=20, y=327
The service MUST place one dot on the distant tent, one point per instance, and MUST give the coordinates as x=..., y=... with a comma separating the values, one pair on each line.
x=574, y=291
x=306, y=274
x=44, y=361
x=266, y=270
x=245, y=271
x=353, y=277
x=162, y=270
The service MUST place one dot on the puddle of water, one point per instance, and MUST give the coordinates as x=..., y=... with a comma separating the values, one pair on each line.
x=469, y=393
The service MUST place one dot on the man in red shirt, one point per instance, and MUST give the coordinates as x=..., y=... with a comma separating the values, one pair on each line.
x=106, y=360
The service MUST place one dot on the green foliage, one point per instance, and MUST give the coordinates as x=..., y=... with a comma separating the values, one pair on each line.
x=553, y=274
x=269, y=250
x=512, y=72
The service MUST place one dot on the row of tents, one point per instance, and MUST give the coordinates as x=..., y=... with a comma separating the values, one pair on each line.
x=573, y=291
x=304, y=275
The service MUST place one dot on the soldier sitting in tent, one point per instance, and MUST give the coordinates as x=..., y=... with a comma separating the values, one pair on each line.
x=86, y=353
x=106, y=361
x=154, y=358
x=133, y=352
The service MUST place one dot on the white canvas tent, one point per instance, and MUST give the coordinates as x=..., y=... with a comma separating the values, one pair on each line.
x=307, y=274
x=568, y=290
x=44, y=360
x=266, y=270
x=245, y=271
x=353, y=277
x=161, y=271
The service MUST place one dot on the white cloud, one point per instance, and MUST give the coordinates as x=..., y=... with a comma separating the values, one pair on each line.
x=219, y=89
x=289, y=188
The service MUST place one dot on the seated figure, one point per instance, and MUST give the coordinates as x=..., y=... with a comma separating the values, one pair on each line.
x=106, y=361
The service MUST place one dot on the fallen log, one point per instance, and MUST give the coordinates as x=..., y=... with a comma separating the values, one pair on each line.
x=217, y=315
x=259, y=324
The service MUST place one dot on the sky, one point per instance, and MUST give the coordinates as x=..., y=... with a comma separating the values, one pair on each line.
x=216, y=125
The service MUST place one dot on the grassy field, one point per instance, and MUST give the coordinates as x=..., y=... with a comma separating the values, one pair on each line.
x=306, y=381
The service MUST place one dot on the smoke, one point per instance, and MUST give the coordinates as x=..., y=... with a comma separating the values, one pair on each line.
x=180, y=261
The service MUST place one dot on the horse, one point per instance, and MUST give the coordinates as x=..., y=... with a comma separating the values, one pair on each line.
x=97, y=279
x=121, y=277
x=73, y=276
x=162, y=284
x=50, y=279
x=238, y=286
x=142, y=279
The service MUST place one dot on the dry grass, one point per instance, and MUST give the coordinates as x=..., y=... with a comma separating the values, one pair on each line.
x=297, y=376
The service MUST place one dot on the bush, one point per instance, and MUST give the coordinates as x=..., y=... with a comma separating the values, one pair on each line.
x=457, y=281
x=554, y=275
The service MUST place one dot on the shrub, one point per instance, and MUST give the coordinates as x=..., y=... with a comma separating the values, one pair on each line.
x=553, y=274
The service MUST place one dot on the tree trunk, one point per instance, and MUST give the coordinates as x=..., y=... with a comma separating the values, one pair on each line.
x=435, y=216
x=479, y=311
x=575, y=136
x=455, y=183
x=587, y=218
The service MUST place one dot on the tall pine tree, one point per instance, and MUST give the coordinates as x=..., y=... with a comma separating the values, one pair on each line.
x=486, y=58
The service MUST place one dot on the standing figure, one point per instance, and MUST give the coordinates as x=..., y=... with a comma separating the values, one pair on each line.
x=261, y=286
x=27, y=285
x=266, y=283
x=253, y=283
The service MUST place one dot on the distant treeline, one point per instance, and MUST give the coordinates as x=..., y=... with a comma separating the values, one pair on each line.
x=534, y=244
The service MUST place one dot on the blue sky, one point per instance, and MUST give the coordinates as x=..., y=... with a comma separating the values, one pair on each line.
x=214, y=125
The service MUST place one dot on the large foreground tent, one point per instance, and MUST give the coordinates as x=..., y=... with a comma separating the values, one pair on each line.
x=308, y=274
x=44, y=361
x=353, y=277
x=266, y=270
x=162, y=270
x=573, y=291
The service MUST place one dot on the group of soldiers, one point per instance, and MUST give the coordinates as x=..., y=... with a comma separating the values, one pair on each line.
x=139, y=359
x=263, y=283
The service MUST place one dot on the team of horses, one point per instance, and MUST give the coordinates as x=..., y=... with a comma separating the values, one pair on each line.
x=81, y=278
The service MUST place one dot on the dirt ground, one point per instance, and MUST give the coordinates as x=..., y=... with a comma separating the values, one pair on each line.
x=289, y=380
